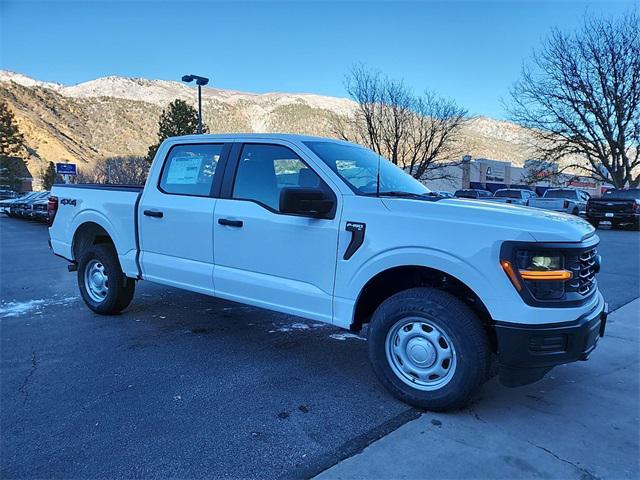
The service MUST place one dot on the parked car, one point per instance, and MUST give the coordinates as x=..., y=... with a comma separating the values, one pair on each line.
x=39, y=209
x=516, y=196
x=22, y=208
x=616, y=206
x=5, y=205
x=568, y=200
x=472, y=193
x=324, y=230
x=6, y=194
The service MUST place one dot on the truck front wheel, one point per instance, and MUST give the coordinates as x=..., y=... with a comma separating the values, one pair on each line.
x=429, y=349
x=103, y=286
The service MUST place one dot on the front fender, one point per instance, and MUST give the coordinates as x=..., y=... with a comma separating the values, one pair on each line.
x=446, y=262
x=477, y=272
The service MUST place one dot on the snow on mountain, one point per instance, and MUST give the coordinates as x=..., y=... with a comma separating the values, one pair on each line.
x=9, y=76
x=162, y=92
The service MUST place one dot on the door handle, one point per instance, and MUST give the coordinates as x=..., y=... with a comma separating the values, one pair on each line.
x=153, y=213
x=230, y=223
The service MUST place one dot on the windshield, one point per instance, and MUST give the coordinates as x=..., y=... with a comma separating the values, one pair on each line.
x=631, y=194
x=571, y=194
x=358, y=166
x=507, y=194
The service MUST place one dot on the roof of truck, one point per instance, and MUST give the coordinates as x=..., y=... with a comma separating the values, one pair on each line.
x=292, y=137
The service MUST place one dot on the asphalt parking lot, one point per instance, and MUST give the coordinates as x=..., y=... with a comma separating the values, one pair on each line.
x=183, y=385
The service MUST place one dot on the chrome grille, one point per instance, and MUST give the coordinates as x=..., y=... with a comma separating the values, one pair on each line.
x=587, y=271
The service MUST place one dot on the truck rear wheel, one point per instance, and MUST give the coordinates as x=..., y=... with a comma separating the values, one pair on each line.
x=103, y=286
x=429, y=349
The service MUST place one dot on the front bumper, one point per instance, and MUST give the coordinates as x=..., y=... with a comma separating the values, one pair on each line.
x=527, y=352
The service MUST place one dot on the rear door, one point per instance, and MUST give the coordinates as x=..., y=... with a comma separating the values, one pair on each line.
x=176, y=217
x=267, y=258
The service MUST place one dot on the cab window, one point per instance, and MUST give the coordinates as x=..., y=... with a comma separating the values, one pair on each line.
x=189, y=169
x=264, y=170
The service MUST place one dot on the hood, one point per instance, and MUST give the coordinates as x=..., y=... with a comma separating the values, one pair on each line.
x=542, y=225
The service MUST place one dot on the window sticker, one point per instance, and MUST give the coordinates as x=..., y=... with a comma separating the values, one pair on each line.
x=185, y=170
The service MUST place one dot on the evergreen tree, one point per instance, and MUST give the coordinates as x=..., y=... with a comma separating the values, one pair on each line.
x=179, y=118
x=11, y=140
x=49, y=176
x=12, y=167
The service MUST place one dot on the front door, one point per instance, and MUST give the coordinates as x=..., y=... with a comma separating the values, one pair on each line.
x=176, y=218
x=264, y=257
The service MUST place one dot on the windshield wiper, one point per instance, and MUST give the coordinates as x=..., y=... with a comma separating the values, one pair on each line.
x=395, y=193
x=399, y=194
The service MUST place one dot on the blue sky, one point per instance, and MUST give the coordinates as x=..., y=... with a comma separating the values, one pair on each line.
x=469, y=51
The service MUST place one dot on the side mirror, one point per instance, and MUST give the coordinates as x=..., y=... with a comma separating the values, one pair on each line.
x=311, y=202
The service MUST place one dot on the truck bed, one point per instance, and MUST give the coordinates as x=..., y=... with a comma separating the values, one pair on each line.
x=102, y=186
x=111, y=207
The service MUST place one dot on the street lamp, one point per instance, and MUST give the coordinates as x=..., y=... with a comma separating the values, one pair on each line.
x=200, y=81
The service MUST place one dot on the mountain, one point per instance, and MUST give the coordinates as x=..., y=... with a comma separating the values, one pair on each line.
x=113, y=116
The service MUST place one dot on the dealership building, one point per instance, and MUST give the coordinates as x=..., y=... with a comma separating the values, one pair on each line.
x=492, y=175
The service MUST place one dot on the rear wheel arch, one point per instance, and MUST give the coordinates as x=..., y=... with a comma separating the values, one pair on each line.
x=88, y=234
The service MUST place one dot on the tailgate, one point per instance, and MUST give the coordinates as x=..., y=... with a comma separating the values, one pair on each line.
x=548, y=203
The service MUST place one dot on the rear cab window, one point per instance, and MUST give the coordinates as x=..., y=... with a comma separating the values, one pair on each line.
x=631, y=194
x=508, y=194
x=569, y=194
x=190, y=169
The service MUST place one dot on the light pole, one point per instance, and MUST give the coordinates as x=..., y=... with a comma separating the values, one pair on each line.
x=200, y=81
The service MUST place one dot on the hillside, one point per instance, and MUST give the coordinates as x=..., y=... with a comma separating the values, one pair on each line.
x=118, y=116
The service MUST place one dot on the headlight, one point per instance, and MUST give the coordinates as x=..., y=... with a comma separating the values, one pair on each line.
x=543, y=273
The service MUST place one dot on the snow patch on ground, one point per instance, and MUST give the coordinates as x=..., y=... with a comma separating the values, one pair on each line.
x=344, y=336
x=297, y=327
x=16, y=309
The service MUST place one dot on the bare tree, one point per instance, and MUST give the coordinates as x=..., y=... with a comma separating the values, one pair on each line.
x=414, y=132
x=117, y=170
x=434, y=135
x=581, y=96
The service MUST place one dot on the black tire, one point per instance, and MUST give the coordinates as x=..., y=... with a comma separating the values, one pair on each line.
x=595, y=223
x=615, y=225
x=575, y=212
x=469, y=341
x=120, y=289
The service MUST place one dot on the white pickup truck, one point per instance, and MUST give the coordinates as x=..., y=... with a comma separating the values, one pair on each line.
x=569, y=200
x=451, y=291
